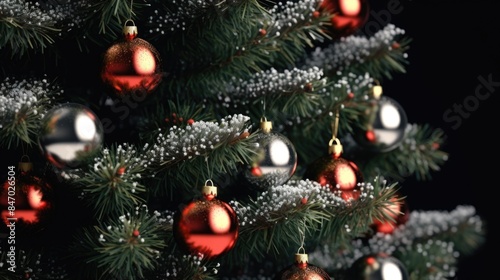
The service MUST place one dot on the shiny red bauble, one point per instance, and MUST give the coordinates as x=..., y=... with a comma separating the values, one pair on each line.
x=339, y=174
x=25, y=201
x=302, y=270
x=206, y=226
x=347, y=16
x=398, y=211
x=132, y=66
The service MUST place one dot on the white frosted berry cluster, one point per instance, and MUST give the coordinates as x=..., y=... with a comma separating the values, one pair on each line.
x=271, y=81
x=196, y=139
x=176, y=265
x=421, y=225
x=38, y=13
x=178, y=17
x=34, y=95
x=353, y=49
x=279, y=199
x=290, y=13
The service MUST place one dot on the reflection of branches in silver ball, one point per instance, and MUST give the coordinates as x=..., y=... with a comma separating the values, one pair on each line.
x=70, y=134
x=274, y=162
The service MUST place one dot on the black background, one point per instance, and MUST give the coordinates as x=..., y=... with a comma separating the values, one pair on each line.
x=454, y=43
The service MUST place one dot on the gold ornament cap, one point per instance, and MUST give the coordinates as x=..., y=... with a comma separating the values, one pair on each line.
x=130, y=31
x=377, y=91
x=25, y=166
x=265, y=125
x=209, y=192
x=301, y=258
x=335, y=148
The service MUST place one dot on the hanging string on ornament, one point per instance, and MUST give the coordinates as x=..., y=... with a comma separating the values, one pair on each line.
x=206, y=226
x=377, y=266
x=132, y=65
x=70, y=134
x=275, y=159
x=384, y=124
x=347, y=16
x=301, y=268
x=342, y=176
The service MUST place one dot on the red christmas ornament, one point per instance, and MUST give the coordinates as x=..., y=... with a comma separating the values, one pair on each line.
x=25, y=200
x=398, y=211
x=347, y=15
x=302, y=270
x=206, y=226
x=336, y=172
x=132, y=66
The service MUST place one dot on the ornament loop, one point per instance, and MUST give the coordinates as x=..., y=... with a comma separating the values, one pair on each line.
x=25, y=164
x=211, y=182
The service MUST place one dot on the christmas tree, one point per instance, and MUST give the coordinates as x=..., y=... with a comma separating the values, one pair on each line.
x=217, y=140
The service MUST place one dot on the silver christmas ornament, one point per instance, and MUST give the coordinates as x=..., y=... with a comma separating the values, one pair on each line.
x=70, y=134
x=275, y=159
x=377, y=266
x=385, y=124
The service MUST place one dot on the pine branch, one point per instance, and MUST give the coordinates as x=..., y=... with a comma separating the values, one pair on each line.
x=112, y=184
x=380, y=55
x=122, y=248
x=23, y=104
x=418, y=155
x=30, y=264
x=428, y=237
x=185, y=157
x=271, y=223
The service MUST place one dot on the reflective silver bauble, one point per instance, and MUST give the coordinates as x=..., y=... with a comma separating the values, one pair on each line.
x=70, y=134
x=385, y=126
x=274, y=162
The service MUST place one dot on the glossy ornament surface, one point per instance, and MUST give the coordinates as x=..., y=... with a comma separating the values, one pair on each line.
x=398, y=211
x=70, y=134
x=302, y=270
x=132, y=66
x=385, y=126
x=339, y=174
x=25, y=201
x=348, y=16
x=206, y=226
x=274, y=162
x=378, y=266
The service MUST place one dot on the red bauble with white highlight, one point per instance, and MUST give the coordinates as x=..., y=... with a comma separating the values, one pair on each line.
x=302, y=269
x=339, y=174
x=132, y=66
x=398, y=211
x=347, y=16
x=26, y=201
x=206, y=226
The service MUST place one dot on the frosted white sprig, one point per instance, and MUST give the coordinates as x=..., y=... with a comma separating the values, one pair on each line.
x=421, y=225
x=195, y=140
x=290, y=13
x=40, y=14
x=268, y=82
x=180, y=16
x=353, y=49
x=34, y=96
x=183, y=266
x=281, y=198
